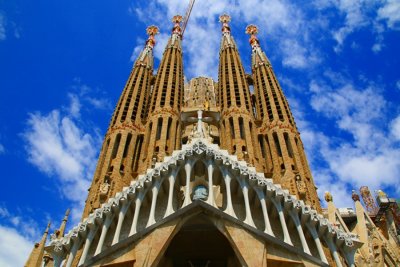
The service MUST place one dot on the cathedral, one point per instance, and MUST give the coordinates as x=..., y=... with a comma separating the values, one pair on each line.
x=211, y=173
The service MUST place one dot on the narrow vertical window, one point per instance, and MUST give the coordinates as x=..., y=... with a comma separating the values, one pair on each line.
x=159, y=128
x=277, y=145
x=127, y=143
x=241, y=128
x=261, y=142
x=169, y=128
x=232, y=128
x=288, y=145
x=116, y=145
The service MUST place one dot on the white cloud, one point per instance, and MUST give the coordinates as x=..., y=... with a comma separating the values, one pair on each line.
x=75, y=106
x=14, y=247
x=2, y=27
x=99, y=103
x=390, y=12
x=83, y=95
x=354, y=110
x=368, y=157
x=281, y=20
x=395, y=128
x=59, y=146
x=354, y=19
x=2, y=149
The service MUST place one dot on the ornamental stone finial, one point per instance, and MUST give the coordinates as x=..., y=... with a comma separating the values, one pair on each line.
x=151, y=32
x=252, y=30
x=177, y=19
x=328, y=197
x=355, y=196
x=225, y=19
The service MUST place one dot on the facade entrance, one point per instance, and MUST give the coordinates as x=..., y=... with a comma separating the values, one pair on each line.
x=199, y=244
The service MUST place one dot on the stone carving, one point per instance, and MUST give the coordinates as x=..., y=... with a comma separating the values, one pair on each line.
x=301, y=186
x=328, y=197
x=104, y=187
x=355, y=196
x=200, y=192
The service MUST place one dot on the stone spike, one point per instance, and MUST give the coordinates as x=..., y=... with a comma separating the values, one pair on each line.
x=60, y=232
x=36, y=255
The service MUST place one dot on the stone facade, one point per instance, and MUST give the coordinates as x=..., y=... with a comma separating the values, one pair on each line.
x=203, y=174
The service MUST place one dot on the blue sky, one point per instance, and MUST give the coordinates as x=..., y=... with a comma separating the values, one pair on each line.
x=63, y=66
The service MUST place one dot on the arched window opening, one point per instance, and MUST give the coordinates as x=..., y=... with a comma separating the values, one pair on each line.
x=116, y=145
x=159, y=128
x=260, y=141
x=241, y=128
x=277, y=145
x=288, y=144
x=127, y=143
x=169, y=128
x=232, y=128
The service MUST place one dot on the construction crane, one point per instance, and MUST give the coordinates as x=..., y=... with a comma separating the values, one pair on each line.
x=187, y=15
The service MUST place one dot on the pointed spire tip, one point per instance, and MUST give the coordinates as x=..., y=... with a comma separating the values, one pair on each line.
x=224, y=18
x=252, y=29
x=152, y=30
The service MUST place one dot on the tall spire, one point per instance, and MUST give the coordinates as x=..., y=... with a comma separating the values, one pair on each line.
x=281, y=147
x=119, y=157
x=60, y=232
x=35, y=258
x=146, y=56
x=237, y=119
x=258, y=56
x=163, y=124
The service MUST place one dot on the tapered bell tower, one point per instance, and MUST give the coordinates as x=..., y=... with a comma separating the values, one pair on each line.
x=119, y=156
x=237, y=120
x=283, y=155
x=163, y=124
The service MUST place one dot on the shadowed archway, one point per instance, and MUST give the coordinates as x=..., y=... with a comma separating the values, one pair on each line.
x=199, y=244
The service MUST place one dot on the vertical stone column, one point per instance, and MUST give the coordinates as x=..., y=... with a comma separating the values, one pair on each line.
x=245, y=191
x=171, y=184
x=74, y=249
x=261, y=196
x=188, y=172
x=293, y=214
x=154, y=194
x=229, y=207
x=121, y=216
x=278, y=205
x=88, y=243
x=104, y=230
x=210, y=169
x=138, y=203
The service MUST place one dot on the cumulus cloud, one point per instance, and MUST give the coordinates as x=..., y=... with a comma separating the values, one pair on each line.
x=280, y=19
x=59, y=145
x=357, y=15
x=18, y=233
x=369, y=157
x=395, y=128
x=85, y=96
x=14, y=247
x=390, y=12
